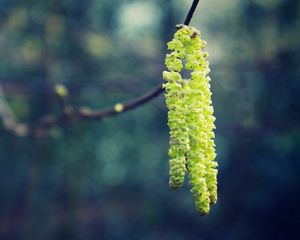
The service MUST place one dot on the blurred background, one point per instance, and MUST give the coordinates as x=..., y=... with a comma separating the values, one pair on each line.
x=109, y=179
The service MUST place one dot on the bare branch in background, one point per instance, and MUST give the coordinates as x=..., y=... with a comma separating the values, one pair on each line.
x=8, y=118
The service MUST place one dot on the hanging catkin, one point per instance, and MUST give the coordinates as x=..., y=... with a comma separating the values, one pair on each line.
x=190, y=117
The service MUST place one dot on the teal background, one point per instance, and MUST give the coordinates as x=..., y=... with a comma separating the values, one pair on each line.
x=109, y=179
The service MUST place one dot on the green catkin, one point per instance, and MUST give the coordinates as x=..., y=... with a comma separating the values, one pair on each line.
x=178, y=131
x=190, y=118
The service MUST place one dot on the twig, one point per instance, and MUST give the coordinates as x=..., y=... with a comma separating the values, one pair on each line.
x=62, y=94
x=47, y=122
x=191, y=12
x=88, y=114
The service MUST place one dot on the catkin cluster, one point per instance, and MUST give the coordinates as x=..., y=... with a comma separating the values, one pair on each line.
x=190, y=117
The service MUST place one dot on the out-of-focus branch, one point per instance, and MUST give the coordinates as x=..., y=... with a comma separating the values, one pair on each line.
x=69, y=115
x=85, y=113
x=9, y=119
x=62, y=94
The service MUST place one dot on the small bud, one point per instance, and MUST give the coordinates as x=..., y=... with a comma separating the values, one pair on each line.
x=61, y=90
x=119, y=107
x=179, y=26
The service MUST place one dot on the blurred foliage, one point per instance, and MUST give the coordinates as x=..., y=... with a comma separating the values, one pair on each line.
x=108, y=180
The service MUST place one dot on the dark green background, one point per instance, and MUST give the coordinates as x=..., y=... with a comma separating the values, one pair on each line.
x=109, y=179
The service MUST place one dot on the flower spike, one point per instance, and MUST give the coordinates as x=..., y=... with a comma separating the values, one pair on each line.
x=190, y=117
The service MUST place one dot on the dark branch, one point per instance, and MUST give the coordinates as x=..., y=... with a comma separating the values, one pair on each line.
x=191, y=12
x=126, y=106
x=44, y=124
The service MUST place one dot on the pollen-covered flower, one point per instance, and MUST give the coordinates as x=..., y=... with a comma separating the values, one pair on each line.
x=179, y=143
x=190, y=117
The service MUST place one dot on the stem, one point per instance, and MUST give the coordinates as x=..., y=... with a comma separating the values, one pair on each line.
x=191, y=12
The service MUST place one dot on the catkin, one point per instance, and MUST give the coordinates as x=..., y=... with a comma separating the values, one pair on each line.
x=190, y=118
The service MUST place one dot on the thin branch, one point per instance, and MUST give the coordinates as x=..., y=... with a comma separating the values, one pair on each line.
x=47, y=122
x=87, y=114
x=191, y=12
x=120, y=108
